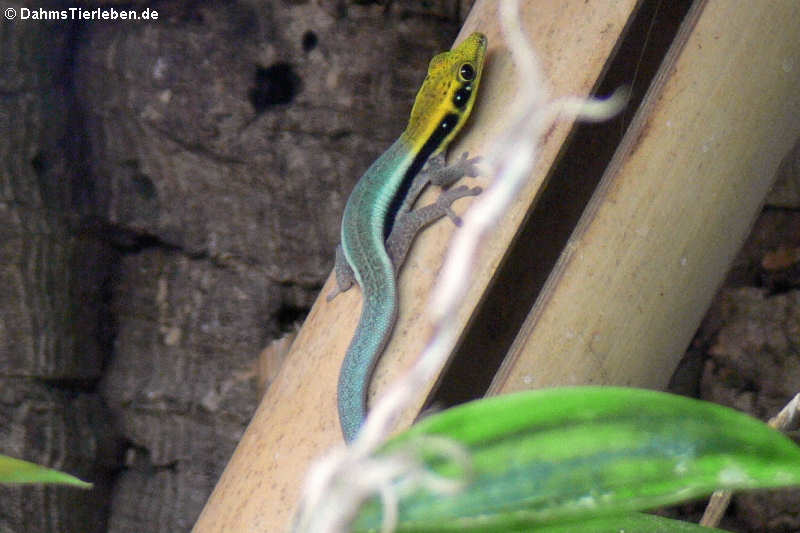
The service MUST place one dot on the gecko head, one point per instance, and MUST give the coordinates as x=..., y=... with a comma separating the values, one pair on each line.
x=447, y=95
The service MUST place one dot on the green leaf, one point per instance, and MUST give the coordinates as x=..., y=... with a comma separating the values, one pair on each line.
x=19, y=471
x=559, y=455
x=628, y=523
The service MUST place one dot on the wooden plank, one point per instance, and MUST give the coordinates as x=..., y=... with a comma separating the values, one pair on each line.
x=673, y=207
x=297, y=420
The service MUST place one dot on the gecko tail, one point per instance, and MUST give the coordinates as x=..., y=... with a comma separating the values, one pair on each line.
x=373, y=331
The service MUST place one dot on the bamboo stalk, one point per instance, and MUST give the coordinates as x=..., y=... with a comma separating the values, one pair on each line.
x=673, y=207
x=296, y=420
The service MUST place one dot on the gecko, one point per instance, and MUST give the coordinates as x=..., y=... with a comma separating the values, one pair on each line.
x=378, y=224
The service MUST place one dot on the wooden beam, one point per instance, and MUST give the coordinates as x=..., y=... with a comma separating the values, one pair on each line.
x=673, y=207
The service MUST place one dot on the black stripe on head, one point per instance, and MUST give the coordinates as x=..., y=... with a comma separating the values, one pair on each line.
x=462, y=95
x=447, y=125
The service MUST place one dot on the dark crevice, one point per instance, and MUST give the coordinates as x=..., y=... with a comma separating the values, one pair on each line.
x=37, y=162
x=71, y=384
x=310, y=41
x=107, y=323
x=277, y=84
x=172, y=466
x=83, y=191
x=339, y=135
x=288, y=316
x=566, y=192
x=782, y=282
x=126, y=240
x=138, y=458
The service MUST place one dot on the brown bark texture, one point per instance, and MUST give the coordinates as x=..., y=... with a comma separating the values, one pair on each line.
x=170, y=194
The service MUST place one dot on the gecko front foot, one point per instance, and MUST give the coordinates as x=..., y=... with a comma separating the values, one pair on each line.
x=410, y=223
x=463, y=167
x=449, y=196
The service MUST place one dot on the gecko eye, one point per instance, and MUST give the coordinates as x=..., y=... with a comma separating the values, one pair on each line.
x=467, y=72
x=461, y=97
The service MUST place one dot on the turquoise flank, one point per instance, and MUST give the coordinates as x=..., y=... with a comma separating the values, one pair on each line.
x=363, y=246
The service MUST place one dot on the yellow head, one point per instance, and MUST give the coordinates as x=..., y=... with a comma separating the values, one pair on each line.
x=446, y=97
